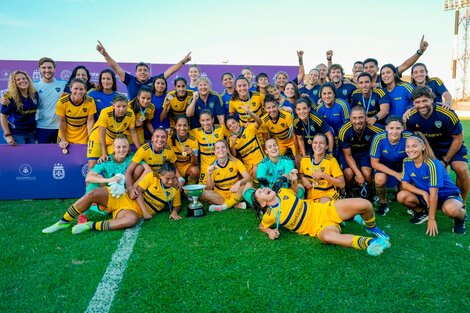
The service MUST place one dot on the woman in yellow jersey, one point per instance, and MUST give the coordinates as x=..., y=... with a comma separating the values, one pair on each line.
x=144, y=111
x=185, y=148
x=241, y=97
x=76, y=115
x=206, y=136
x=154, y=154
x=320, y=173
x=244, y=143
x=176, y=101
x=322, y=220
x=155, y=192
x=114, y=121
x=226, y=180
x=278, y=124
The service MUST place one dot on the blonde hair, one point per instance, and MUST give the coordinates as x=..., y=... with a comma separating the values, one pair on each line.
x=229, y=154
x=13, y=91
x=428, y=154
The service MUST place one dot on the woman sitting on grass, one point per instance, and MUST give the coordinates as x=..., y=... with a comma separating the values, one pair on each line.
x=427, y=187
x=224, y=186
x=322, y=220
x=155, y=192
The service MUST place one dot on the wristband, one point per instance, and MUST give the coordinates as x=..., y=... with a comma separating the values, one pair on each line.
x=376, y=117
x=419, y=52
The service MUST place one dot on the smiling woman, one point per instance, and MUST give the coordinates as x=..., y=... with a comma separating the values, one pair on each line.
x=19, y=110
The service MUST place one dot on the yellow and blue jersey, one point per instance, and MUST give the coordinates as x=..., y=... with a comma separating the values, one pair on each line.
x=345, y=91
x=154, y=159
x=400, y=98
x=225, y=177
x=387, y=153
x=358, y=143
x=114, y=127
x=248, y=146
x=329, y=165
x=157, y=196
x=371, y=104
x=256, y=102
x=335, y=116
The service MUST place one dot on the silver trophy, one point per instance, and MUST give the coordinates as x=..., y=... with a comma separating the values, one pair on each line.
x=195, y=208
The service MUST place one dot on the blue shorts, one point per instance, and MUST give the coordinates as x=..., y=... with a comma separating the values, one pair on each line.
x=440, y=201
x=362, y=160
x=461, y=155
x=397, y=167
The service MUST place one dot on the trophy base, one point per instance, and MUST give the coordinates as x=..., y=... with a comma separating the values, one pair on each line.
x=198, y=212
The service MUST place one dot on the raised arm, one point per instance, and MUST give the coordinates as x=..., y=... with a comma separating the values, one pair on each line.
x=423, y=45
x=113, y=64
x=174, y=68
x=301, y=74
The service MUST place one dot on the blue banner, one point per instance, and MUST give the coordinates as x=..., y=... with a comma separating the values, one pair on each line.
x=42, y=171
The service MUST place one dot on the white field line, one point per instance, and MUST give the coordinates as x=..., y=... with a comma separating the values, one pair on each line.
x=109, y=284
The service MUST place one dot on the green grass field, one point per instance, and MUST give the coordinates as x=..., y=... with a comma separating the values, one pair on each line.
x=222, y=263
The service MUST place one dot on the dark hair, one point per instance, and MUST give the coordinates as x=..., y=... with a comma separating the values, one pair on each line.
x=371, y=60
x=235, y=95
x=248, y=68
x=227, y=73
x=396, y=76
x=88, y=84
x=328, y=85
x=259, y=210
x=394, y=118
x=364, y=74
x=321, y=135
x=336, y=67
x=142, y=64
x=206, y=111
x=261, y=75
x=358, y=62
x=177, y=118
x=164, y=79
x=422, y=91
x=305, y=100
x=296, y=89
x=135, y=104
x=230, y=117
x=269, y=98
x=167, y=167
x=77, y=80
x=181, y=78
x=425, y=68
x=113, y=77
x=44, y=60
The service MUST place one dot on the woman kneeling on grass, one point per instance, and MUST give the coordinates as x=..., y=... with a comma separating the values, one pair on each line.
x=321, y=220
x=154, y=193
x=427, y=187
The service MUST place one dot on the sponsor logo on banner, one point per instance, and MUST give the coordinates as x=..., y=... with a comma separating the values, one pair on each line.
x=5, y=74
x=65, y=75
x=26, y=172
x=58, y=172
x=94, y=77
x=36, y=75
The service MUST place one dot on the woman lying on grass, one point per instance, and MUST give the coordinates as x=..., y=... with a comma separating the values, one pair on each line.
x=154, y=193
x=322, y=220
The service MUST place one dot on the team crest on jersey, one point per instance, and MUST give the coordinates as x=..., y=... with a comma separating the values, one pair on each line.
x=285, y=198
x=438, y=124
x=345, y=92
x=58, y=171
x=244, y=136
x=367, y=137
x=216, y=135
x=57, y=89
x=125, y=124
x=211, y=105
x=85, y=109
x=312, y=128
x=322, y=168
x=282, y=124
x=372, y=103
x=315, y=92
x=231, y=169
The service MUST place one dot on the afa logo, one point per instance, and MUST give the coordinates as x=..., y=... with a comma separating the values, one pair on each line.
x=65, y=75
x=84, y=170
x=58, y=171
x=36, y=75
x=25, y=170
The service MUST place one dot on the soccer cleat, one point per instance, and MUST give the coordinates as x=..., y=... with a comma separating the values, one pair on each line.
x=410, y=212
x=82, y=219
x=80, y=228
x=358, y=219
x=383, y=209
x=377, y=232
x=378, y=246
x=459, y=226
x=419, y=218
x=55, y=227
x=241, y=205
x=216, y=208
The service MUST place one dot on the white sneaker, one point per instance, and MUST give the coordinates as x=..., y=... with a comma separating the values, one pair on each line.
x=241, y=205
x=216, y=207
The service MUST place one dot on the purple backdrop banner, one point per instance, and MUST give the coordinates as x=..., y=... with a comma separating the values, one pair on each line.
x=64, y=69
x=42, y=171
